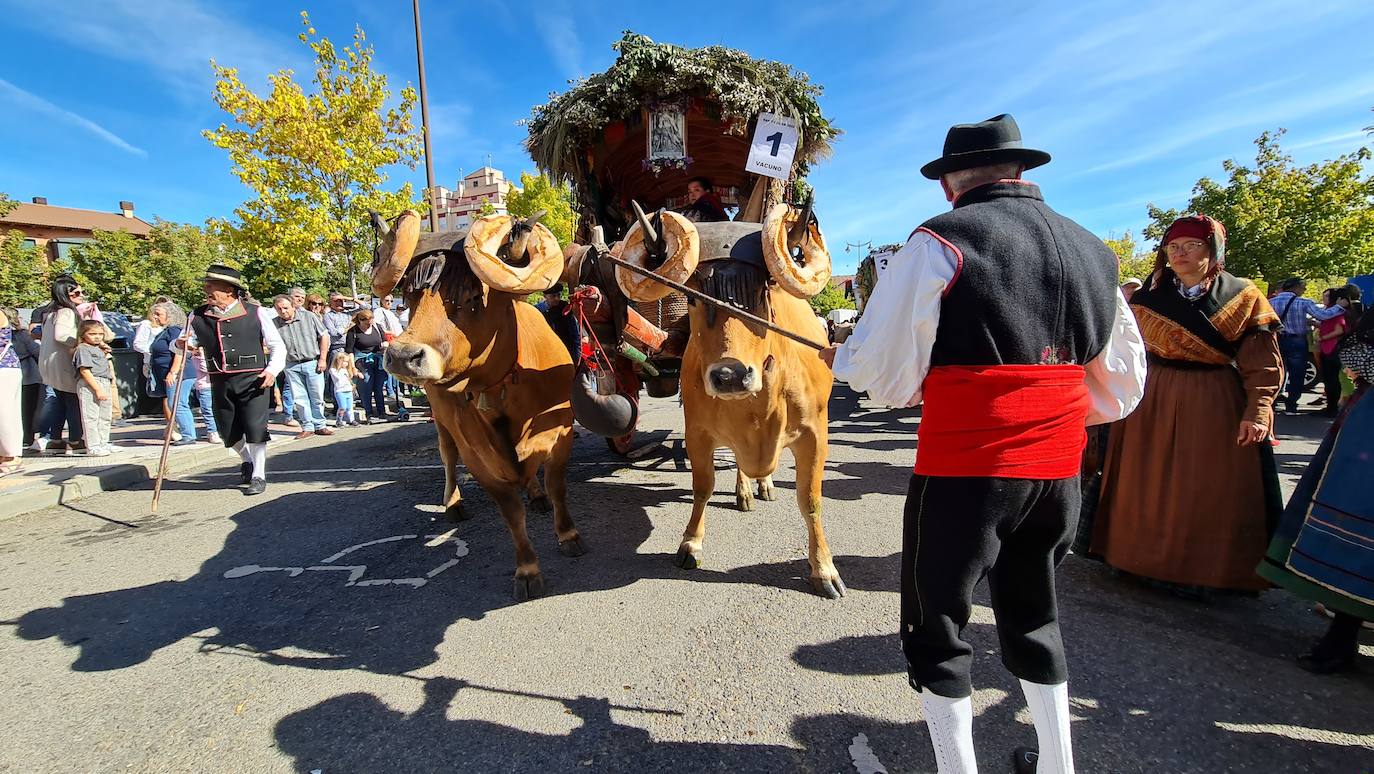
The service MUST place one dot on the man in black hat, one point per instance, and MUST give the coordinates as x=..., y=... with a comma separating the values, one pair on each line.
x=1005, y=319
x=243, y=354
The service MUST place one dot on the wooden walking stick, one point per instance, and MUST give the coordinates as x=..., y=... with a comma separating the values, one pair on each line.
x=179, y=365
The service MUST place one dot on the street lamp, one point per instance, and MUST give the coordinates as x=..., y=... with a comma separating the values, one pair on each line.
x=424, y=122
x=848, y=245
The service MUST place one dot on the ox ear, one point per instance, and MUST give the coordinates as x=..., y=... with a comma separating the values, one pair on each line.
x=680, y=242
x=785, y=230
x=395, y=251
x=492, y=254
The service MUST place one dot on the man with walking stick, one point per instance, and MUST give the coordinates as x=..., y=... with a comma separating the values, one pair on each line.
x=243, y=354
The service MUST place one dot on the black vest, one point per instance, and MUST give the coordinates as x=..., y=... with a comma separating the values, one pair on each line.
x=1033, y=287
x=233, y=344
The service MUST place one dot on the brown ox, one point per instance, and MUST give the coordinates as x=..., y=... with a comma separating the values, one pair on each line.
x=496, y=376
x=743, y=387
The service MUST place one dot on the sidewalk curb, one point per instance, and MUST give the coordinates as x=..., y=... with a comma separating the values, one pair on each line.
x=38, y=496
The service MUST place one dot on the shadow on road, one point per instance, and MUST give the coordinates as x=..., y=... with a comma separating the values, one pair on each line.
x=279, y=590
x=1156, y=676
x=359, y=732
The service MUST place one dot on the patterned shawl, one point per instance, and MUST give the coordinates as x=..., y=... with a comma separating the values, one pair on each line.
x=1207, y=329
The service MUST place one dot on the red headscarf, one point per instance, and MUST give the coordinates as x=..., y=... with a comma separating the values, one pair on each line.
x=1199, y=227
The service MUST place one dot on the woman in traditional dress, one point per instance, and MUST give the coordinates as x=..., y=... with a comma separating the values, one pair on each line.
x=1324, y=547
x=1190, y=492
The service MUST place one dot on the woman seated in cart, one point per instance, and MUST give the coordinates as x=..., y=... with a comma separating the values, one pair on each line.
x=703, y=203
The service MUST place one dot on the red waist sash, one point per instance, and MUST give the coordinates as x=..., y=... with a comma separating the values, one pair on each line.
x=1003, y=421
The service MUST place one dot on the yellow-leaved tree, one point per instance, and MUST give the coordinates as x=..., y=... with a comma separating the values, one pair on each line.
x=316, y=163
x=537, y=193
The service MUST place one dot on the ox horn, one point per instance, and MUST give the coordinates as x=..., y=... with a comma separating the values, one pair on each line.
x=520, y=236
x=800, y=230
x=531, y=240
x=651, y=237
x=378, y=223
x=786, y=229
x=679, y=242
x=395, y=250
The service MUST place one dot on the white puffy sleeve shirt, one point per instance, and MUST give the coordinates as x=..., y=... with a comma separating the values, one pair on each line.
x=888, y=355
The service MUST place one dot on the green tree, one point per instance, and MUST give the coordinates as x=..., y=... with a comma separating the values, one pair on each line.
x=830, y=298
x=123, y=272
x=315, y=163
x=1283, y=220
x=539, y=193
x=25, y=275
x=1131, y=260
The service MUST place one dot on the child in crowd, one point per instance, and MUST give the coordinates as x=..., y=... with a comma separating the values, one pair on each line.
x=342, y=372
x=95, y=388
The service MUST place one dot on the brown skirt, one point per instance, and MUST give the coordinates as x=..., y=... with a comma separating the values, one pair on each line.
x=1181, y=502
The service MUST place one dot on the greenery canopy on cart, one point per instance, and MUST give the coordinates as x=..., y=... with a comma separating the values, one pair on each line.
x=594, y=132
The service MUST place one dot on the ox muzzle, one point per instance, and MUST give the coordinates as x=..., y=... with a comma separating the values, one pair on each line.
x=731, y=378
x=413, y=363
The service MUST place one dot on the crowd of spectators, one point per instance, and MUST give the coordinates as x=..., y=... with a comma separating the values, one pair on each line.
x=59, y=393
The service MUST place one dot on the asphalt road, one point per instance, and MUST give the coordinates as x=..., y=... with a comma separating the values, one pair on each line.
x=333, y=625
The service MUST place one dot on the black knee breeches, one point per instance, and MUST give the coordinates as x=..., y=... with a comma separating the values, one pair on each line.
x=958, y=530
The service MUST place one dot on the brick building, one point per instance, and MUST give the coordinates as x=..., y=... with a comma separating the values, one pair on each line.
x=457, y=207
x=55, y=229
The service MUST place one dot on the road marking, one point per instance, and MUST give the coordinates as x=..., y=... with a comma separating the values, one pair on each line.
x=865, y=760
x=357, y=571
x=1300, y=733
x=378, y=541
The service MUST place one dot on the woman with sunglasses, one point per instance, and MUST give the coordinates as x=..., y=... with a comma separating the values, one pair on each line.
x=58, y=369
x=1190, y=491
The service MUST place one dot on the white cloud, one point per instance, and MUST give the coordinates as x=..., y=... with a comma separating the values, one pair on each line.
x=174, y=39
x=29, y=101
x=560, y=37
x=1267, y=115
x=1343, y=138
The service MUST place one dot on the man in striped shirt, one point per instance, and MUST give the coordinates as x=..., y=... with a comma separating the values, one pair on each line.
x=1295, y=312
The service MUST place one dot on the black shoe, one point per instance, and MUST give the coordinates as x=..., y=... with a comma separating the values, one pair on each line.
x=245, y=472
x=1319, y=664
x=1024, y=760
x=257, y=487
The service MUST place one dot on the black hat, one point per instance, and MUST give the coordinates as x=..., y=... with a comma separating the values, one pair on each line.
x=994, y=141
x=221, y=273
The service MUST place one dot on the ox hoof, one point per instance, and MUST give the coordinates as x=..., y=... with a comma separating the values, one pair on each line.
x=688, y=558
x=572, y=547
x=540, y=504
x=744, y=502
x=528, y=587
x=767, y=493
x=830, y=588
x=457, y=512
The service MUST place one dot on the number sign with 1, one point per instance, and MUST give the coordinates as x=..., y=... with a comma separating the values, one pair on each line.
x=774, y=146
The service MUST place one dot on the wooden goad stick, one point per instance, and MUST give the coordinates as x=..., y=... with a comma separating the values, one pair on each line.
x=178, y=363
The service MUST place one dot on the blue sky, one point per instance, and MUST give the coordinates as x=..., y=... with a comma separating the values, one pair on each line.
x=105, y=100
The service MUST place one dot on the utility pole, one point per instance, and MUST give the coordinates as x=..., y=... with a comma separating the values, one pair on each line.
x=424, y=122
x=868, y=244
